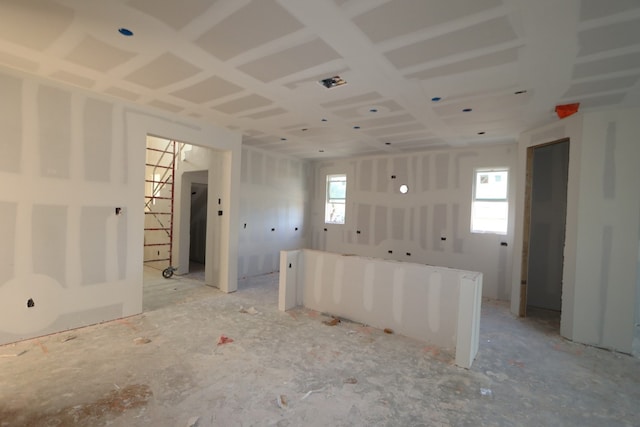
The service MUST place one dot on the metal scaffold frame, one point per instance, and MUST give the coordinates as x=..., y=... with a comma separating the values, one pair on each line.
x=159, y=187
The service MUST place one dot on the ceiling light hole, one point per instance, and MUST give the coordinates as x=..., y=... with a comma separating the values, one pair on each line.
x=324, y=120
x=520, y=92
x=467, y=110
x=125, y=32
x=373, y=110
x=320, y=151
x=304, y=129
x=436, y=99
x=481, y=133
x=356, y=127
x=387, y=143
x=404, y=189
x=283, y=139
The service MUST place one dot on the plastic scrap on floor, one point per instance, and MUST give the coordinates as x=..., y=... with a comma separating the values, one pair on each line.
x=193, y=422
x=310, y=392
x=281, y=401
x=224, y=340
x=486, y=392
x=142, y=340
x=250, y=310
x=388, y=330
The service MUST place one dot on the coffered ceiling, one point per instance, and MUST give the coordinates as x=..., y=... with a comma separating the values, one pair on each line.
x=420, y=74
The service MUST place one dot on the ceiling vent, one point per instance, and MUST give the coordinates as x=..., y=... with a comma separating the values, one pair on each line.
x=332, y=82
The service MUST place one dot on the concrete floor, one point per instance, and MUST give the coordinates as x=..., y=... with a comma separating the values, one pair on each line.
x=165, y=368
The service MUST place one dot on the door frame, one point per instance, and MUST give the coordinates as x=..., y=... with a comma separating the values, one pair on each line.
x=526, y=223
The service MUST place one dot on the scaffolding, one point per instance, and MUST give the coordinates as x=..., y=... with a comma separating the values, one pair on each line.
x=160, y=169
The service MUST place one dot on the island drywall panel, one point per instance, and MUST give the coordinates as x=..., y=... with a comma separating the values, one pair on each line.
x=69, y=159
x=273, y=205
x=430, y=224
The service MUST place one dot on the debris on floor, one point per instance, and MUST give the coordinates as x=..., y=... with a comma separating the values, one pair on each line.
x=351, y=380
x=281, y=401
x=14, y=354
x=224, y=340
x=310, y=392
x=486, y=392
x=332, y=322
x=193, y=422
x=250, y=310
x=388, y=330
x=142, y=340
x=69, y=338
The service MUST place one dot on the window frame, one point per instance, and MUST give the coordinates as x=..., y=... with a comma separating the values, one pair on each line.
x=475, y=200
x=329, y=202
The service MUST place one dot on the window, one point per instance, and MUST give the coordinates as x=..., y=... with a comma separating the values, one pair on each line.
x=490, y=207
x=334, y=211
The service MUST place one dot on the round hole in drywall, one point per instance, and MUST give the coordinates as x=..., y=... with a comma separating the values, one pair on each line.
x=404, y=189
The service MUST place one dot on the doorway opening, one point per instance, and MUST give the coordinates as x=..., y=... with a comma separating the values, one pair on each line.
x=545, y=214
x=198, y=230
x=176, y=219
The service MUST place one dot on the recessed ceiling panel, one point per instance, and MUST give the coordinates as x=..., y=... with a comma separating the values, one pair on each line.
x=207, y=90
x=122, y=93
x=412, y=127
x=502, y=102
x=175, y=14
x=608, y=37
x=400, y=17
x=600, y=101
x=385, y=121
x=484, y=61
x=358, y=99
x=47, y=21
x=267, y=113
x=253, y=25
x=163, y=71
x=95, y=54
x=388, y=106
x=579, y=89
x=18, y=62
x=290, y=61
x=73, y=79
x=593, y=9
x=607, y=66
x=165, y=106
x=242, y=104
x=485, y=34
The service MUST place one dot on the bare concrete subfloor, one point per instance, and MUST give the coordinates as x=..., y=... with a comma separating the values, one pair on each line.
x=165, y=368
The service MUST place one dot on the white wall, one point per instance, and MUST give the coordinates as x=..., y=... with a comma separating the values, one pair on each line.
x=380, y=219
x=68, y=159
x=600, y=278
x=273, y=196
x=433, y=304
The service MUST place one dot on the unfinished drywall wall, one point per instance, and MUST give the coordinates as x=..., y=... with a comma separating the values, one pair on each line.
x=430, y=224
x=433, y=304
x=600, y=278
x=69, y=159
x=273, y=204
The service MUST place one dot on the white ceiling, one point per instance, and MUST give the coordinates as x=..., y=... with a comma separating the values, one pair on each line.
x=254, y=66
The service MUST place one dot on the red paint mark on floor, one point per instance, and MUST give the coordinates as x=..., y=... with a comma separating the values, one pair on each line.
x=516, y=363
x=293, y=316
x=128, y=324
